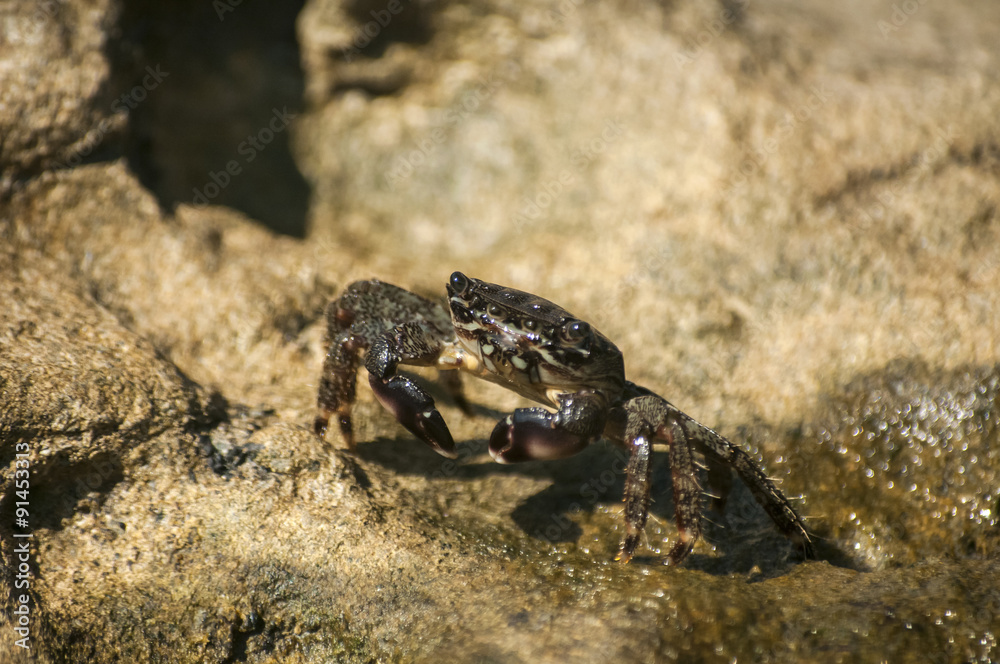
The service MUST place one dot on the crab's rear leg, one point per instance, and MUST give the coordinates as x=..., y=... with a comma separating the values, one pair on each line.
x=338, y=382
x=452, y=383
x=722, y=452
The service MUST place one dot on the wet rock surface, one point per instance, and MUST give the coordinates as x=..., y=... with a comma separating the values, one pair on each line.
x=785, y=217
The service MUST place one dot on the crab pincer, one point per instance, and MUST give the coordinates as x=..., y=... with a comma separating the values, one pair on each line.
x=401, y=396
x=529, y=434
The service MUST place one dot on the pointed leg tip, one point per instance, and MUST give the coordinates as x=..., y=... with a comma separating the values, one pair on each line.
x=347, y=432
x=627, y=549
x=320, y=425
x=679, y=551
x=808, y=548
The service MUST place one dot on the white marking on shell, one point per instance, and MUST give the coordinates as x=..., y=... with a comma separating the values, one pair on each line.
x=519, y=362
x=487, y=349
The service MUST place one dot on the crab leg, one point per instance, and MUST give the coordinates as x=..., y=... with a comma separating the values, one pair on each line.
x=338, y=382
x=763, y=489
x=687, y=493
x=648, y=416
x=638, y=476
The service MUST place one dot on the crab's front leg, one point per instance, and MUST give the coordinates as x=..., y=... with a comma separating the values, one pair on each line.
x=535, y=434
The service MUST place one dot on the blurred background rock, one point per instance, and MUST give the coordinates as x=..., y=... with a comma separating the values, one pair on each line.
x=784, y=213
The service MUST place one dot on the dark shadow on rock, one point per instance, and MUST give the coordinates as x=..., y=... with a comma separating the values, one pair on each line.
x=744, y=535
x=410, y=456
x=210, y=90
x=62, y=486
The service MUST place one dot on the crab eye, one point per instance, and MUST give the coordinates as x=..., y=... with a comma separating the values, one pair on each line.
x=459, y=283
x=575, y=331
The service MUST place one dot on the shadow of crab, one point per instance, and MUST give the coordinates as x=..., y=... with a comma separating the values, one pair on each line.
x=580, y=508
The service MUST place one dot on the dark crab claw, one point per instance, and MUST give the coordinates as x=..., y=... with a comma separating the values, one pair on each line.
x=415, y=410
x=528, y=434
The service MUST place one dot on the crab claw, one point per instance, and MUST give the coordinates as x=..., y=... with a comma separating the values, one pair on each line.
x=531, y=434
x=415, y=410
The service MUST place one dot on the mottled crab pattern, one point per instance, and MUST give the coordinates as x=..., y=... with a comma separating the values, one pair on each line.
x=541, y=351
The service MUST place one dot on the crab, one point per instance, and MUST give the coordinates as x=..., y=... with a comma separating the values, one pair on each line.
x=544, y=353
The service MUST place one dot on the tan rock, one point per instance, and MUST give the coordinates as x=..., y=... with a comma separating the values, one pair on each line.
x=784, y=216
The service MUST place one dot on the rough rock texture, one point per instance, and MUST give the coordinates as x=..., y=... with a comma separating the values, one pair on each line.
x=784, y=213
x=55, y=107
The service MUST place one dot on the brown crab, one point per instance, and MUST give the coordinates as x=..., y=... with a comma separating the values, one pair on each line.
x=546, y=354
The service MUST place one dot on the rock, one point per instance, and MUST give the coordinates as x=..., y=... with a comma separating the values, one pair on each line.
x=786, y=221
x=55, y=109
